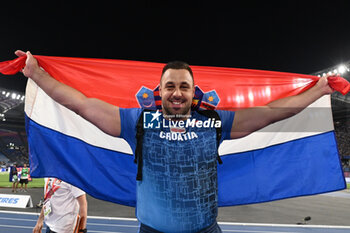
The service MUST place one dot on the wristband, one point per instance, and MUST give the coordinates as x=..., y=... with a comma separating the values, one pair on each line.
x=83, y=230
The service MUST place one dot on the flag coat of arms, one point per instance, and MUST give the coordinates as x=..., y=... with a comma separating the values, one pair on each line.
x=294, y=157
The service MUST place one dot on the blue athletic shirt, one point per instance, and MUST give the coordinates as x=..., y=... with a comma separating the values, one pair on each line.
x=178, y=191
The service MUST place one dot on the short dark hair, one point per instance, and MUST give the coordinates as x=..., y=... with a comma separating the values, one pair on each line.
x=177, y=65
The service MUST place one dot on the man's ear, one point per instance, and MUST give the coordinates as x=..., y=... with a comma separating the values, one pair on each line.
x=160, y=90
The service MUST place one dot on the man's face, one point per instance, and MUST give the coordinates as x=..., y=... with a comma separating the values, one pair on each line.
x=177, y=91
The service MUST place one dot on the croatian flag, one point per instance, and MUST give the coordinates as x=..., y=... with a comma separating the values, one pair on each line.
x=294, y=157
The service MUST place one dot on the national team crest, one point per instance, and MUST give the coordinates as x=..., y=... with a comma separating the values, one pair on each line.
x=145, y=98
x=210, y=100
x=150, y=99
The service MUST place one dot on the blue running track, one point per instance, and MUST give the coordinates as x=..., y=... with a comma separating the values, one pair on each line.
x=21, y=222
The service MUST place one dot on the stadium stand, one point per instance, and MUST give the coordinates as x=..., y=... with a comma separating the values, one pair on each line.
x=341, y=114
x=13, y=140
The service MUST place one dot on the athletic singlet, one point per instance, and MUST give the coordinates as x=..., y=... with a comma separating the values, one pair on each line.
x=24, y=173
x=178, y=191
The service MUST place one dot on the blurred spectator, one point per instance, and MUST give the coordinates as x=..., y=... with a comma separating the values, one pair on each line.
x=14, y=174
x=64, y=209
x=24, y=178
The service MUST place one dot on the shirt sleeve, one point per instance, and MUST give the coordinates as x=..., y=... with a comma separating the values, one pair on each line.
x=128, y=121
x=226, y=118
x=76, y=191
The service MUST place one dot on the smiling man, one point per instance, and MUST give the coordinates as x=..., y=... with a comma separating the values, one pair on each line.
x=178, y=190
x=176, y=90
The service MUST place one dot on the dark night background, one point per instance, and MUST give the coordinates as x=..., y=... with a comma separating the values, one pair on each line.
x=290, y=36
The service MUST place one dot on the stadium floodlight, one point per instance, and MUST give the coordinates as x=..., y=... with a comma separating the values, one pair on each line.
x=7, y=94
x=13, y=96
x=4, y=92
x=342, y=69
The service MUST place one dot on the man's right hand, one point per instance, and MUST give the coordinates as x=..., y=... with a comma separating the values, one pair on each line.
x=32, y=65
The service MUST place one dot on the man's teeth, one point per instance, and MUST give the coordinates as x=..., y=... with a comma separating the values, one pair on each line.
x=177, y=102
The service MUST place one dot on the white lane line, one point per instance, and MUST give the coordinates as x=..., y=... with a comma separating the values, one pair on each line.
x=11, y=226
x=113, y=218
x=16, y=219
x=24, y=227
x=92, y=231
x=248, y=231
x=18, y=212
x=111, y=225
x=92, y=217
x=284, y=225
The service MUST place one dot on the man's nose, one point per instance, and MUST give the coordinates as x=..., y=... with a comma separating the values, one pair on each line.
x=177, y=92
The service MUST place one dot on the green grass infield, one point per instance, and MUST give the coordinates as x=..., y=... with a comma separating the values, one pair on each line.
x=34, y=183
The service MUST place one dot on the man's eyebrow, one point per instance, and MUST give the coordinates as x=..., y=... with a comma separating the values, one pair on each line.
x=169, y=83
x=173, y=83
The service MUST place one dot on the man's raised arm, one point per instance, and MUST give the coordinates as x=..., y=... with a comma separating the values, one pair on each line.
x=249, y=120
x=103, y=115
